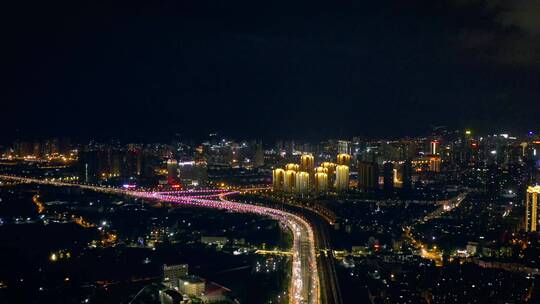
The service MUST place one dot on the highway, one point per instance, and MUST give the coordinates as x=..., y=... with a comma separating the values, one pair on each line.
x=330, y=292
x=329, y=287
x=304, y=287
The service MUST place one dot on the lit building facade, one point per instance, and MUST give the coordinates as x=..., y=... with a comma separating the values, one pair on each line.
x=331, y=167
x=321, y=170
x=531, y=209
x=191, y=285
x=278, y=179
x=342, y=178
x=302, y=182
x=307, y=162
x=292, y=167
x=289, y=180
x=171, y=274
x=434, y=147
x=321, y=182
x=344, y=146
x=344, y=159
x=435, y=164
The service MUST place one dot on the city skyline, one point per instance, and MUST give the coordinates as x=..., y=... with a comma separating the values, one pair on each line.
x=344, y=215
x=431, y=131
x=276, y=152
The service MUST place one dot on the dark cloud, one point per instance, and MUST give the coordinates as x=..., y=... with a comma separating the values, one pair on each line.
x=513, y=36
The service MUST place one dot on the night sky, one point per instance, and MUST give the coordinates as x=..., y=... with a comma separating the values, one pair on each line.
x=145, y=70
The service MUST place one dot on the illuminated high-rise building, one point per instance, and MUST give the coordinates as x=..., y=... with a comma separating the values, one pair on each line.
x=289, y=180
x=321, y=170
x=531, y=209
x=331, y=167
x=307, y=163
x=321, y=182
x=171, y=274
x=278, y=179
x=344, y=146
x=342, y=178
x=293, y=167
x=344, y=159
x=302, y=182
x=434, y=147
x=368, y=176
x=435, y=164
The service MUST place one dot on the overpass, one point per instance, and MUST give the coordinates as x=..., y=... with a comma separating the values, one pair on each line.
x=304, y=287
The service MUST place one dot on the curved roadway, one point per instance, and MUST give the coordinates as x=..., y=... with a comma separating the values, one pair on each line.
x=304, y=287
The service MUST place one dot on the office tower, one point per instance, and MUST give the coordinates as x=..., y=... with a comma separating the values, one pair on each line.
x=368, y=176
x=302, y=182
x=307, y=163
x=343, y=147
x=434, y=147
x=293, y=167
x=289, y=148
x=435, y=164
x=289, y=181
x=342, y=178
x=258, y=157
x=344, y=159
x=172, y=170
x=331, y=167
x=321, y=182
x=278, y=178
x=388, y=176
x=468, y=148
x=171, y=274
x=193, y=173
x=117, y=163
x=531, y=208
x=406, y=175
